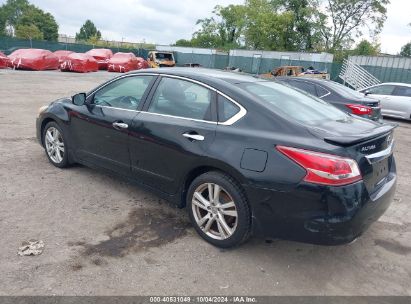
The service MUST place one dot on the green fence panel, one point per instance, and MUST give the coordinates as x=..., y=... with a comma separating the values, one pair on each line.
x=9, y=45
x=252, y=64
x=221, y=61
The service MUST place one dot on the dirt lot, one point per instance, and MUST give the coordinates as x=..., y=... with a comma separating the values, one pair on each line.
x=104, y=236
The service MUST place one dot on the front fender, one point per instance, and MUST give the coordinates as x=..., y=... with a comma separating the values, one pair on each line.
x=58, y=112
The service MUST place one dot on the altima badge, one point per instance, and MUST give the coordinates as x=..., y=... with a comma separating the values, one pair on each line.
x=367, y=148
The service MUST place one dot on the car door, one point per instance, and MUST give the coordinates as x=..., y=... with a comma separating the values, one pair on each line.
x=172, y=133
x=100, y=128
x=384, y=94
x=401, y=100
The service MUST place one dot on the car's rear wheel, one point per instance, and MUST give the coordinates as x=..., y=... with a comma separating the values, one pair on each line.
x=54, y=145
x=219, y=210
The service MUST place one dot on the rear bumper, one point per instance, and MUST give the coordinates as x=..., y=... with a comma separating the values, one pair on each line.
x=319, y=214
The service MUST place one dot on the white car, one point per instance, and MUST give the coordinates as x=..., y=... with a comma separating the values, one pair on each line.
x=395, y=98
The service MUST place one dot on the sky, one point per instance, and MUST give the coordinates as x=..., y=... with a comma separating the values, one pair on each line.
x=165, y=21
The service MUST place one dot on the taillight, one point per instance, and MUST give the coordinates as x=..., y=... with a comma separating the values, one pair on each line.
x=324, y=168
x=359, y=109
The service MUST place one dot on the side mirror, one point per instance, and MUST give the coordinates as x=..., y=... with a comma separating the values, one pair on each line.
x=366, y=92
x=79, y=99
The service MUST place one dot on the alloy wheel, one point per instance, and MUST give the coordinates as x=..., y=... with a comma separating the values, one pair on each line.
x=54, y=145
x=214, y=211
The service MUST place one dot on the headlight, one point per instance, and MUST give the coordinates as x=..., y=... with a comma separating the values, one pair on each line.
x=41, y=110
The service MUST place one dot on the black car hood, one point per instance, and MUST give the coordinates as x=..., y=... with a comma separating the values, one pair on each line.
x=350, y=131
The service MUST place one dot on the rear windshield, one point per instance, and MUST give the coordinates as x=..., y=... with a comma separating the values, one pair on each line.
x=164, y=56
x=343, y=90
x=294, y=104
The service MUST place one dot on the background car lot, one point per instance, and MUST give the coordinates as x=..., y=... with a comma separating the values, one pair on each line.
x=107, y=237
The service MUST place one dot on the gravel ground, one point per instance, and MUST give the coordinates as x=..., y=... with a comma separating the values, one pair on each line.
x=104, y=236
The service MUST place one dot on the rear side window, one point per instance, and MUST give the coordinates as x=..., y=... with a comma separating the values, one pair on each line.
x=402, y=91
x=294, y=104
x=226, y=109
x=382, y=90
x=182, y=98
x=305, y=86
x=322, y=92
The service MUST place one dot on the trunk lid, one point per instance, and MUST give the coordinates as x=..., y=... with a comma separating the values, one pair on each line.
x=374, y=104
x=369, y=143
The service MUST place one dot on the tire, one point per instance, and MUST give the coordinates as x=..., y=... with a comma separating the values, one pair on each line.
x=55, y=146
x=224, y=221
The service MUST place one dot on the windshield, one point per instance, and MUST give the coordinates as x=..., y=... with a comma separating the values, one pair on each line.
x=344, y=91
x=164, y=57
x=293, y=103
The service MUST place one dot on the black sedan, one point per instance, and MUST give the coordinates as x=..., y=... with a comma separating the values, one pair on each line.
x=338, y=95
x=244, y=155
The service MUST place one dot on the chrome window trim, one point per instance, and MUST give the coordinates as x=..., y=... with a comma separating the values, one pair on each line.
x=158, y=114
x=240, y=114
x=180, y=117
x=115, y=108
x=228, y=122
x=324, y=89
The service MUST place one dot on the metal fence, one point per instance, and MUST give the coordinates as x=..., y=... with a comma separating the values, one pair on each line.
x=384, y=68
x=8, y=45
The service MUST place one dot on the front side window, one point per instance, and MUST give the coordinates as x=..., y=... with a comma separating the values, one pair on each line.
x=182, y=98
x=294, y=104
x=382, y=90
x=125, y=93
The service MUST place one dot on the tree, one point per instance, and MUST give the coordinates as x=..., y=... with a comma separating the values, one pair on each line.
x=183, y=42
x=17, y=13
x=87, y=31
x=31, y=32
x=406, y=50
x=365, y=48
x=306, y=35
x=207, y=36
x=266, y=29
x=232, y=23
x=343, y=20
x=45, y=22
x=222, y=30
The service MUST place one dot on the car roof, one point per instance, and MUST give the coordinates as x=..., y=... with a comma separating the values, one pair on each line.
x=202, y=74
x=394, y=83
x=388, y=83
x=317, y=80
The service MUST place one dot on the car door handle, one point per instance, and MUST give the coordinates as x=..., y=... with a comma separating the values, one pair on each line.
x=120, y=125
x=193, y=136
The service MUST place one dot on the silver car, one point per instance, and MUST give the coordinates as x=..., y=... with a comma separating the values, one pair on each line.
x=395, y=98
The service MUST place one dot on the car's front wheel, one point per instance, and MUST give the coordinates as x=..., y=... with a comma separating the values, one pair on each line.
x=54, y=145
x=219, y=210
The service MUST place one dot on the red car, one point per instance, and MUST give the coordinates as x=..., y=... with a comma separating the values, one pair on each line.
x=79, y=63
x=4, y=61
x=125, y=62
x=34, y=60
x=102, y=56
x=62, y=55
